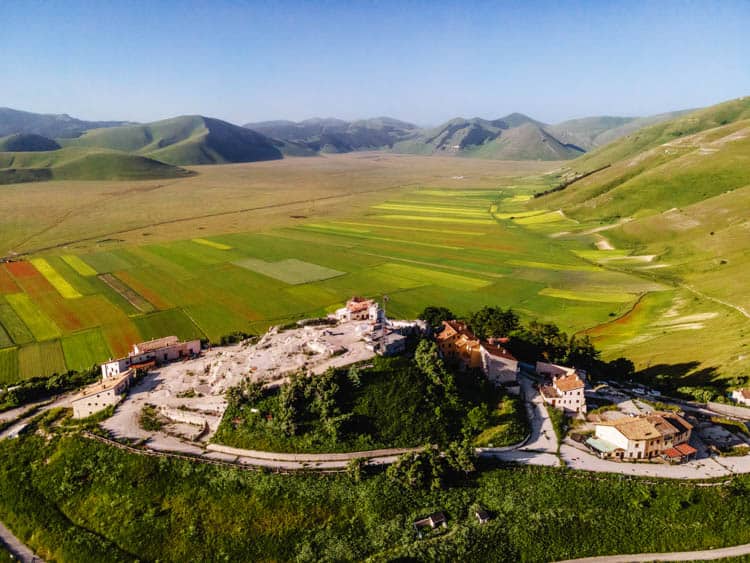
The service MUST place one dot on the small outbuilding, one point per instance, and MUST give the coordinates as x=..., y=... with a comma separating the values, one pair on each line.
x=434, y=520
x=482, y=515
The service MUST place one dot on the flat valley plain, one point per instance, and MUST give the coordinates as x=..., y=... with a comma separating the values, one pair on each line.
x=101, y=265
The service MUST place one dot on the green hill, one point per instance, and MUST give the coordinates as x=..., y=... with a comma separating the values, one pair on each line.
x=678, y=162
x=528, y=141
x=590, y=133
x=75, y=163
x=658, y=134
x=514, y=137
x=27, y=142
x=671, y=207
x=185, y=140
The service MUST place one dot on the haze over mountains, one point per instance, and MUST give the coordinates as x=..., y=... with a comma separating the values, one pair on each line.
x=47, y=125
x=119, y=150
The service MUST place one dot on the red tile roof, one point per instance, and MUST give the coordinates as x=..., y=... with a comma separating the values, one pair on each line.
x=569, y=382
x=497, y=351
x=356, y=304
x=686, y=449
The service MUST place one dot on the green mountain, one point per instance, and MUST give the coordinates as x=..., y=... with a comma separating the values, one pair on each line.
x=27, y=142
x=185, y=140
x=514, y=137
x=75, y=163
x=338, y=136
x=679, y=162
x=47, y=125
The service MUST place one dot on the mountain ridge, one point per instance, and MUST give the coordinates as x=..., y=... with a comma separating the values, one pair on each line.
x=13, y=121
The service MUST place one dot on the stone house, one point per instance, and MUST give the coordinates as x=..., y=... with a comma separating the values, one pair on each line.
x=644, y=437
x=458, y=344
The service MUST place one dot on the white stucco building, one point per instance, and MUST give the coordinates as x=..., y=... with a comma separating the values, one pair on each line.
x=644, y=437
x=499, y=365
x=97, y=397
x=565, y=393
x=167, y=349
x=360, y=309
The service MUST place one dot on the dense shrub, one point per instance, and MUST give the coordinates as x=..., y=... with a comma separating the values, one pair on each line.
x=75, y=500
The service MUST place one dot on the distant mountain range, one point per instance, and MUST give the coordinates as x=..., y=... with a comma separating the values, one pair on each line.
x=513, y=137
x=338, y=136
x=106, y=149
x=47, y=125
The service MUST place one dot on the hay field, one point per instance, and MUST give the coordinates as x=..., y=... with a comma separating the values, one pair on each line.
x=226, y=198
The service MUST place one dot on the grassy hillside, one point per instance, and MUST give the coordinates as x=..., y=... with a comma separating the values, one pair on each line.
x=592, y=132
x=526, y=142
x=672, y=207
x=27, y=142
x=185, y=140
x=655, y=135
x=81, y=164
x=679, y=162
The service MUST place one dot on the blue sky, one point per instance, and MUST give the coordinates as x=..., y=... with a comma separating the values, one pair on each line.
x=419, y=61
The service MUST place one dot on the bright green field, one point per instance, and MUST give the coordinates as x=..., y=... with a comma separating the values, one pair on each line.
x=427, y=246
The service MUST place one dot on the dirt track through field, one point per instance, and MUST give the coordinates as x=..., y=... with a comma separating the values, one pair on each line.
x=740, y=310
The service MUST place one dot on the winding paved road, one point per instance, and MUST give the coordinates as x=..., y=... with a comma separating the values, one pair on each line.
x=16, y=547
x=704, y=555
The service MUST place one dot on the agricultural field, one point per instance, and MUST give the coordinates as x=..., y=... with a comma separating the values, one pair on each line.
x=414, y=233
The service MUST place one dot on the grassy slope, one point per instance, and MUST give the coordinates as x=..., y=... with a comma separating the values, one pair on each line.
x=655, y=135
x=526, y=142
x=184, y=140
x=75, y=163
x=592, y=132
x=27, y=142
x=684, y=187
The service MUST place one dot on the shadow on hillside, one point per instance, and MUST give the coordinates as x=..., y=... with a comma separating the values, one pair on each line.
x=686, y=374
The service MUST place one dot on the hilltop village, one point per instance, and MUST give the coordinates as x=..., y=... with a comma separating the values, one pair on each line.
x=185, y=386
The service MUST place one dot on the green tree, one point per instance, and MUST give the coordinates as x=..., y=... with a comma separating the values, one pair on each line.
x=434, y=316
x=494, y=322
x=461, y=457
x=355, y=468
